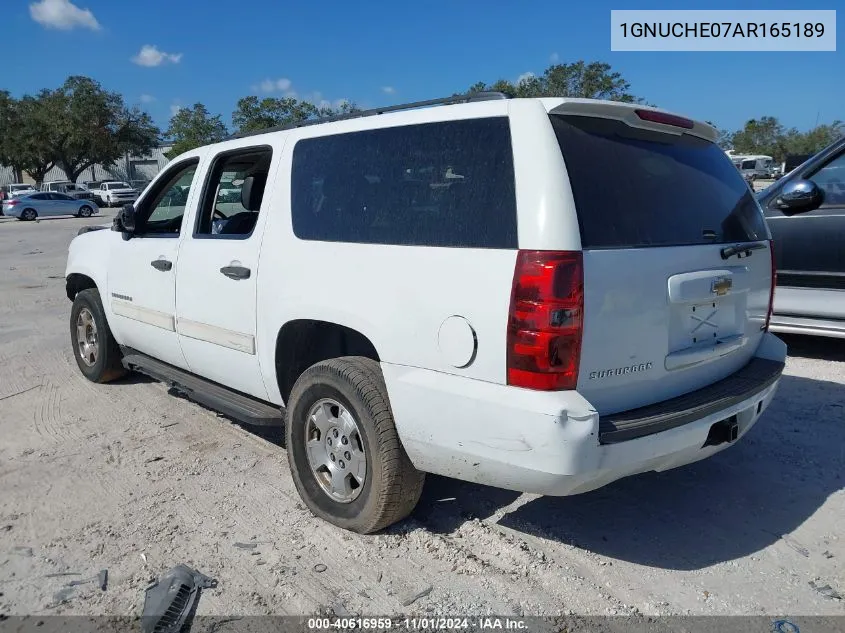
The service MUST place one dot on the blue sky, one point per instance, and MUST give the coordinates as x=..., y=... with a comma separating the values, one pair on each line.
x=162, y=53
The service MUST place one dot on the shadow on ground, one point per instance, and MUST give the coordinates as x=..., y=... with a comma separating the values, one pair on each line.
x=816, y=347
x=729, y=506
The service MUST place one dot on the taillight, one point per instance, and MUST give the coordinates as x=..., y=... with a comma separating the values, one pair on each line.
x=545, y=320
x=665, y=119
x=12, y=202
x=772, y=289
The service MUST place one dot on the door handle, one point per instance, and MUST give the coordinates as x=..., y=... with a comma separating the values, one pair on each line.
x=235, y=272
x=161, y=264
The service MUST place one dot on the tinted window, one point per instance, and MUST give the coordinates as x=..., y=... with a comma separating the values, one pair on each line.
x=60, y=196
x=39, y=196
x=635, y=187
x=436, y=184
x=831, y=180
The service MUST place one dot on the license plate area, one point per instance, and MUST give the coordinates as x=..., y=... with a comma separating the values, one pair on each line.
x=703, y=323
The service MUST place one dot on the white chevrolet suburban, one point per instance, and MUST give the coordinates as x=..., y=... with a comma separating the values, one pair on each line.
x=458, y=289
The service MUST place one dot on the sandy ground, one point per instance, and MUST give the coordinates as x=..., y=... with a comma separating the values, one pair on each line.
x=127, y=478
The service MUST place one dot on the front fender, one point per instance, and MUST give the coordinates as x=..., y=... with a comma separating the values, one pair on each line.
x=88, y=254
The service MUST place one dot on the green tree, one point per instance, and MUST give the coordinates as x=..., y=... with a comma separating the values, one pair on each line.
x=89, y=125
x=594, y=80
x=193, y=127
x=814, y=140
x=10, y=142
x=24, y=130
x=35, y=152
x=253, y=114
x=725, y=138
x=764, y=136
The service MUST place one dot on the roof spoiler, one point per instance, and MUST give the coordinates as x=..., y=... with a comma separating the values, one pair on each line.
x=639, y=116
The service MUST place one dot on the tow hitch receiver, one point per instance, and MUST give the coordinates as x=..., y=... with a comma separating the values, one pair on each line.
x=723, y=431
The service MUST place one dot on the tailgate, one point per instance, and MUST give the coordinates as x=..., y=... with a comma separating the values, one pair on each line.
x=666, y=310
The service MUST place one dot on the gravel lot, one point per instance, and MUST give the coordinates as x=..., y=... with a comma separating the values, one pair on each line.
x=127, y=478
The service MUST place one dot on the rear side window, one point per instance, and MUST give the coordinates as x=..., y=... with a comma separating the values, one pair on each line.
x=638, y=188
x=435, y=184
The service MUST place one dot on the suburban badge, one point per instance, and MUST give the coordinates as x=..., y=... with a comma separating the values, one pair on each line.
x=620, y=371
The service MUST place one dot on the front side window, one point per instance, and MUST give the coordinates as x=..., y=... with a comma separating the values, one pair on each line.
x=831, y=180
x=435, y=184
x=167, y=204
x=233, y=193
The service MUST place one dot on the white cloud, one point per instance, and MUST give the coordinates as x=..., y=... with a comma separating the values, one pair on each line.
x=62, y=14
x=554, y=58
x=174, y=108
x=270, y=86
x=388, y=90
x=147, y=98
x=150, y=56
x=524, y=77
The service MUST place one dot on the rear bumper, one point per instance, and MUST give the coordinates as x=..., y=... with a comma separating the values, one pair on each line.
x=548, y=443
x=737, y=388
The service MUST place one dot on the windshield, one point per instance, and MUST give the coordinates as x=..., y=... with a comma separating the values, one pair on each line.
x=119, y=185
x=636, y=188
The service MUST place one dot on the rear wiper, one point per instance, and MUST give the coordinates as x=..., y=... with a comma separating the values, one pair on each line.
x=743, y=250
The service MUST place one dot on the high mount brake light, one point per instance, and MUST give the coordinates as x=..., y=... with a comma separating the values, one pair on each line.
x=665, y=119
x=545, y=321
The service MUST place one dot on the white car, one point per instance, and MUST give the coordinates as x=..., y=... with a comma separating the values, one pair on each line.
x=530, y=326
x=115, y=193
x=20, y=189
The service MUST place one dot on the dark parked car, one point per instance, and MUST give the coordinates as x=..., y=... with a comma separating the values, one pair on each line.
x=806, y=215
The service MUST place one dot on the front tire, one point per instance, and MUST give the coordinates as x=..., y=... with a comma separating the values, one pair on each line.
x=96, y=352
x=344, y=453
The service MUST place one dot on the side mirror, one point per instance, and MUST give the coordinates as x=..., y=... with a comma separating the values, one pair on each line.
x=799, y=196
x=124, y=221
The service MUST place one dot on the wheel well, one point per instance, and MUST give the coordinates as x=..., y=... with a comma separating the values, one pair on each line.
x=304, y=342
x=76, y=283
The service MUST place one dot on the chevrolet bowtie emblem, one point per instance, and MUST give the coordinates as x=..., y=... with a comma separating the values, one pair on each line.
x=721, y=286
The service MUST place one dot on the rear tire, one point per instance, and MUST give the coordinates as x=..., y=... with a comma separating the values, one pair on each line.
x=96, y=352
x=350, y=387
x=28, y=215
x=85, y=212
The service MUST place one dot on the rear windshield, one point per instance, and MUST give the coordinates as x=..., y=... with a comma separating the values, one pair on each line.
x=636, y=188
